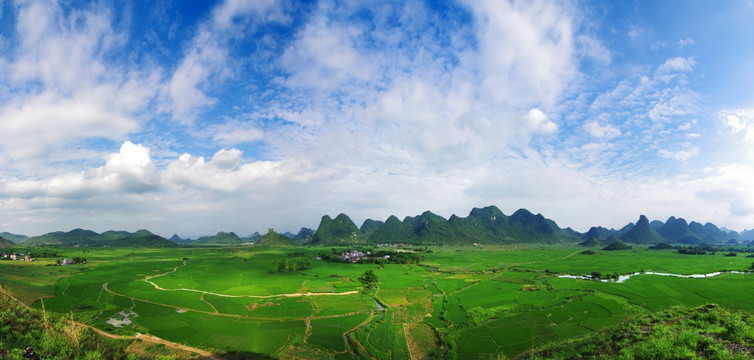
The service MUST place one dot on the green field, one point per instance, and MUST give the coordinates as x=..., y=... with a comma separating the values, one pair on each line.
x=460, y=302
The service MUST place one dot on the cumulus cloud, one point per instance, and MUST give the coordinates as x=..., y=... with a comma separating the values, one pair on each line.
x=740, y=122
x=537, y=121
x=131, y=170
x=61, y=89
x=206, y=62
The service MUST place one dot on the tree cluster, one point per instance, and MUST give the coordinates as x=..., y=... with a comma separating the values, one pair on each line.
x=286, y=266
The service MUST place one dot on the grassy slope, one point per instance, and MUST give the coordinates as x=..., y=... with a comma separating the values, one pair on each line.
x=706, y=332
x=50, y=336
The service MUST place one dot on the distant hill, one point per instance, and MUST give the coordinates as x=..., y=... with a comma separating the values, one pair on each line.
x=273, y=239
x=221, y=238
x=483, y=225
x=623, y=230
x=6, y=243
x=656, y=224
x=597, y=232
x=73, y=237
x=747, y=235
x=178, y=240
x=642, y=233
x=675, y=229
x=370, y=226
x=150, y=241
x=662, y=246
x=611, y=239
x=340, y=230
x=141, y=238
x=617, y=246
x=304, y=235
x=591, y=242
x=253, y=237
x=13, y=237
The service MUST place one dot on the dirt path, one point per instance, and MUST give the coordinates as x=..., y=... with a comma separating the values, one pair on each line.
x=150, y=339
x=574, y=253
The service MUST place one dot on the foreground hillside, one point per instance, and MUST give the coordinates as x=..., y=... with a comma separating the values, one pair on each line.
x=706, y=332
x=23, y=330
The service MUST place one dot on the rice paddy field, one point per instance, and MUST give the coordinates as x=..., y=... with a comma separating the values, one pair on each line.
x=459, y=302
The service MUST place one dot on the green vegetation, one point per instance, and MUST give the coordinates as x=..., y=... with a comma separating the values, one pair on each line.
x=706, y=332
x=662, y=246
x=25, y=331
x=591, y=242
x=456, y=302
x=369, y=279
x=617, y=246
x=6, y=243
x=274, y=239
x=642, y=233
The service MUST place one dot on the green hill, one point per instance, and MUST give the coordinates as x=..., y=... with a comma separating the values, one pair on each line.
x=393, y=231
x=6, y=243
x=598, y=232
x=340, y=230
x=141, y=240
x=483, y=225
x=706, y=332
x=642, y=233
x=221, y=238
x=73, y=237
x=617, y=246
x=662, y=246
x=370, y=226
x=591, y=242
x=304, y=235
x=272, y=239
x=13, y=237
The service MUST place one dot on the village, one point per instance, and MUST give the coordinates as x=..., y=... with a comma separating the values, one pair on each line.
x=17, y=256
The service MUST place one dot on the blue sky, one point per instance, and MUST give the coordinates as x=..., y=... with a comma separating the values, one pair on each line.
x=193, y=117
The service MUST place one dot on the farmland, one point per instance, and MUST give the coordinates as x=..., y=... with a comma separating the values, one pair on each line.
x=459, y=302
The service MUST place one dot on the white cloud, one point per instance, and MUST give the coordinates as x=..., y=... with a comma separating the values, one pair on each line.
x=129, y=171
x=62, y=91
x=686, y=42
x=740, y=121
x=526, y=50
x=235, y=132
x=676, y=65
x=206, y=63
x=607, y=131
x=680, y=155
x=538, y=122
x=635, y=32
x=592, y=48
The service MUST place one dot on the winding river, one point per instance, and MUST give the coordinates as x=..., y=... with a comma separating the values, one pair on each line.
x=622, y=278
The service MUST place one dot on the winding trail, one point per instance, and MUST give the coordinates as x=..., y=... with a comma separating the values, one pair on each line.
x=150, y=339
x=574, y=253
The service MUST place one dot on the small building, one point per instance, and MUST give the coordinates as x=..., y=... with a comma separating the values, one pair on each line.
x=66, y=261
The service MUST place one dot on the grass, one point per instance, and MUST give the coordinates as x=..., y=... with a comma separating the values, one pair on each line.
x=482, y=302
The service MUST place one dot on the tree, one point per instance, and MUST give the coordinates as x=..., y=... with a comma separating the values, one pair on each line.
x=369, y=279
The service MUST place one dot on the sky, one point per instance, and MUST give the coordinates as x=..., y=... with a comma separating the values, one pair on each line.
x=194, y=117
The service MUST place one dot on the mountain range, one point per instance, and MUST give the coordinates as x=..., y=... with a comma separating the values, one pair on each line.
x=488, y=225
x=81, y=237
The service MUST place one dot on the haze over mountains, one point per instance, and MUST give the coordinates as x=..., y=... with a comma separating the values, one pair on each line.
x=486, y=225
